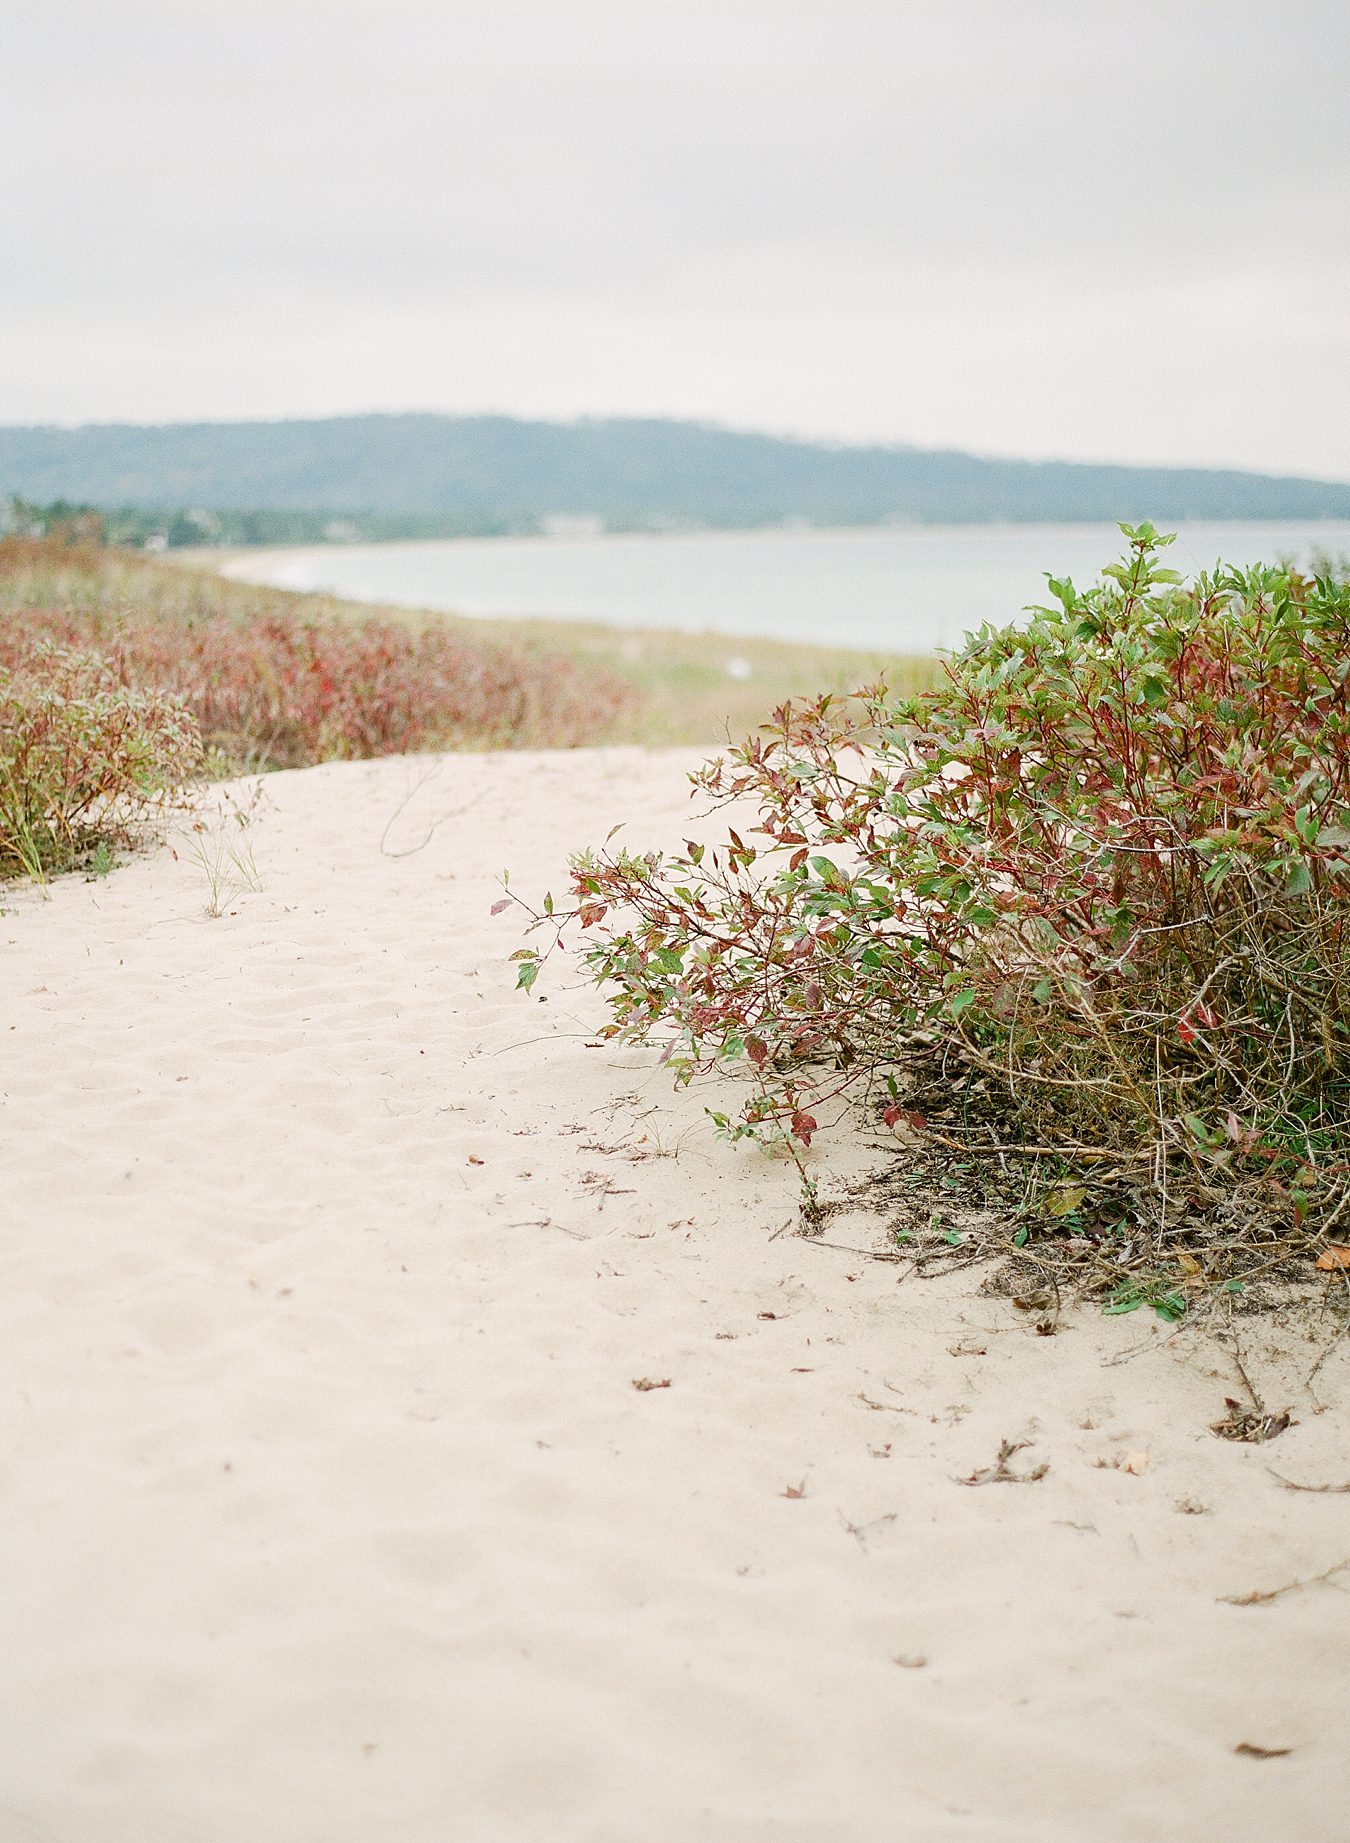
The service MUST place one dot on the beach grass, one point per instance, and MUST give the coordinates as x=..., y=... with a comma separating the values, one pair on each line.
x=96, y=641
x=696, y=688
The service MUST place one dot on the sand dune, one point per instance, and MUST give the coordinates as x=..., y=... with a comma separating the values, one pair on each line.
x=332, y=1513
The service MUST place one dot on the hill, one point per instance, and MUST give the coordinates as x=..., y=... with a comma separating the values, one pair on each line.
x=420, y=474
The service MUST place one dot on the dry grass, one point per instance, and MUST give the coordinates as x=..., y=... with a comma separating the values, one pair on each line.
x=685, y=693
x=279, y=681
x=86, y=762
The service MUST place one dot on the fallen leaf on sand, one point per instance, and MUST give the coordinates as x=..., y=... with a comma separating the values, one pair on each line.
x=795, y=1490
x=643, y=1383
x=1253, y=1752
x=1133, y=1462
x=1335, y=1260
x=910, y=1660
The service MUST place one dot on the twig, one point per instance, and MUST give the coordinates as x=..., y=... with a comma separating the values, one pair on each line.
x=880, y=1407
x=1259, y=1598
x=456, y=812
x=1331, y=1345
x=1257, y=1402
x=866, y=1254
x=1039, y=1151
x=859, y=1530
x=1138, y=1350
x=1001, y=1472
x=1291, y=1484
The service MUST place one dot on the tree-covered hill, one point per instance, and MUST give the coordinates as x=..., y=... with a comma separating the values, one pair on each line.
x=429, y=472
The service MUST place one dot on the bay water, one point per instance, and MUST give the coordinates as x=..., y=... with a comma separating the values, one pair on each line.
x=891, y=590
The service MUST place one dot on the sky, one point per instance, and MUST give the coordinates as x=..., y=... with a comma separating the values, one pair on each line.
x=1023, y=227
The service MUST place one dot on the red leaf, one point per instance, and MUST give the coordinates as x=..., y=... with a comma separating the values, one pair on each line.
x=505, y=903
x=803, y=1126
x=1192, y=1021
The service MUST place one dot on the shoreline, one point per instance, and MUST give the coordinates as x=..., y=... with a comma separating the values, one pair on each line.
x=696, y=688
x=881, y=591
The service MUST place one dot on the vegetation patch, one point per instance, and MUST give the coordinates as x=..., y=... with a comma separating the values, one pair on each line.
x=1073, y=925
x=278, y=686
x=85, y=762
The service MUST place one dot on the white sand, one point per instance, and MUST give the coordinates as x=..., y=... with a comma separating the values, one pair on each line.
x=331, y=1514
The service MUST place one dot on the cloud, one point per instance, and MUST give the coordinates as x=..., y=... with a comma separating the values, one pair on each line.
x=1045, y=228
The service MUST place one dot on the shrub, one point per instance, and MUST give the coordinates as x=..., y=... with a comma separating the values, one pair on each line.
x=281, y=691
x=280, y=681
x=84, y=762
x=1095, y=885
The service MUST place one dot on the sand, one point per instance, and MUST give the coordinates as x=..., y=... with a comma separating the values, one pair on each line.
x=332, y=1512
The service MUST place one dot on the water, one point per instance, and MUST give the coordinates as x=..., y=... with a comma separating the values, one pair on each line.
x=907, y=590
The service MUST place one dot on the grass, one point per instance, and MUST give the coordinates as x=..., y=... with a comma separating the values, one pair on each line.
x=276, y=681
x=124, y=678
x=683, y=691
x=86, y=762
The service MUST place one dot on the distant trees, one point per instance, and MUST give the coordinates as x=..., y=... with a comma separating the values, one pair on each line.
x=61, y=521
x=435, y=476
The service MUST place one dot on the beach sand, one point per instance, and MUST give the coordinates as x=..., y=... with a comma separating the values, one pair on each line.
x=332, y=1512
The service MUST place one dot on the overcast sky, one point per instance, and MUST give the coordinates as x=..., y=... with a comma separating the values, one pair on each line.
x=1093, y=230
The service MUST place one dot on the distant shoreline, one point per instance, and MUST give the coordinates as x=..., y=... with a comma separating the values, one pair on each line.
x=218, y=555
x=880, y=589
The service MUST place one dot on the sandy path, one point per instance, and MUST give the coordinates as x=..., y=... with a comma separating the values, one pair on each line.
x=332, y=1514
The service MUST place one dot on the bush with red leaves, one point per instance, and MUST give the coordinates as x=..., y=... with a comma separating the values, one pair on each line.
x=281, y=690
x=1103, y=872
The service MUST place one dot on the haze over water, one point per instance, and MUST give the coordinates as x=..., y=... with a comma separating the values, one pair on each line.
x=902, y=590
